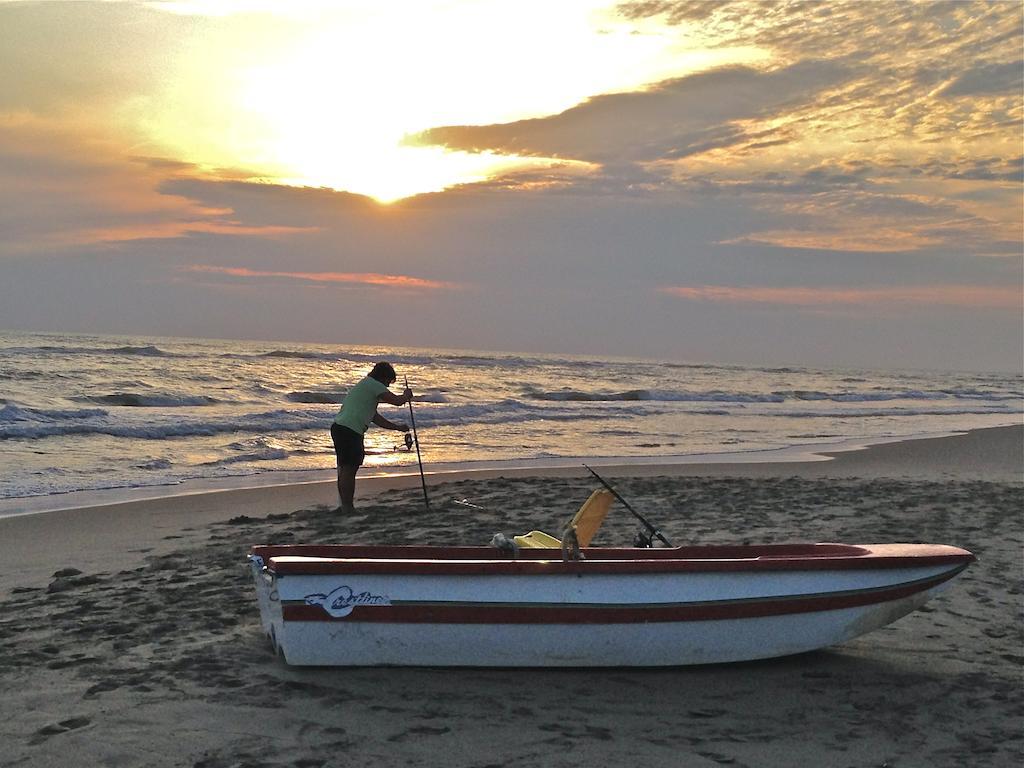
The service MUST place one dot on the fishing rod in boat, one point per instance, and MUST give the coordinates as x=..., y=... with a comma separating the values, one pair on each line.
x=652, y=532
x=416, y=440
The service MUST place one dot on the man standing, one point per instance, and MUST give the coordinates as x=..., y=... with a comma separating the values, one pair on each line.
x=357, y=411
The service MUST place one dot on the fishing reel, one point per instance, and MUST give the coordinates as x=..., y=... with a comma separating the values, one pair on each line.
x=650, y=539
x=643, y=539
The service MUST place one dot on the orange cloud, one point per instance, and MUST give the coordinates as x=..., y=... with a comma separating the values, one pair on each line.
x=359, y=278
x=861, y=239
x=968, y=296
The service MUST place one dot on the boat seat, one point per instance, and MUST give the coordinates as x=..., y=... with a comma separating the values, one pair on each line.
x=537, y=540
x=585, y=522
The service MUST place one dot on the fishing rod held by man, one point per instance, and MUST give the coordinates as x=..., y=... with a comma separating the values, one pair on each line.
x=416, y=441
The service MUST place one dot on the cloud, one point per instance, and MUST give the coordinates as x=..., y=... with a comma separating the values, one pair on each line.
x=105, y=55
x=1001, y=169
x=831, y=144
x=62, y=190
x=159, y=230
x=910, y=59
x=676, y=12
x=987, y=79
x=892, y=33
x=883, y=208
x=308, y=206
x=672, y=119
x=405, y=282
x=958, y=296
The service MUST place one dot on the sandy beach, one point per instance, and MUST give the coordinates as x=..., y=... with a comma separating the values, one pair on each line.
x=129, y=634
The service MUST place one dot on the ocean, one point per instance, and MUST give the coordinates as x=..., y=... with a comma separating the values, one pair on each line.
x=88, y=412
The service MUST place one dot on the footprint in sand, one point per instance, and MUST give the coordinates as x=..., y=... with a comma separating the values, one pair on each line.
x=53, y=729
x=420, y=730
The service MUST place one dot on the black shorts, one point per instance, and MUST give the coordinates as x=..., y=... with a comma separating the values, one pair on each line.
x=348, y=446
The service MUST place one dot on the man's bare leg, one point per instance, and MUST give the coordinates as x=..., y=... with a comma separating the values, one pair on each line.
x=347, y=487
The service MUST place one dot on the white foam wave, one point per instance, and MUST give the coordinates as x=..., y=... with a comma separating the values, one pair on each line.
x=30, y=423
x=15, y=414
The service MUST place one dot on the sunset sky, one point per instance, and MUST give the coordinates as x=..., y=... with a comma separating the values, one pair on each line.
x=785, y=182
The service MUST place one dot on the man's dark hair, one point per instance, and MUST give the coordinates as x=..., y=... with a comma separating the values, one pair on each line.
x=384, y=373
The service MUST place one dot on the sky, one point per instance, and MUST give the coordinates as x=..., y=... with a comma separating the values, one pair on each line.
x=755, y=182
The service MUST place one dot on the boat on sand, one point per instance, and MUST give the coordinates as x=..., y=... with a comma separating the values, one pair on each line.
x=534, y=606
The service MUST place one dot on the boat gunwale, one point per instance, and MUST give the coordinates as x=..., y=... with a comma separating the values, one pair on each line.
x=280, y=560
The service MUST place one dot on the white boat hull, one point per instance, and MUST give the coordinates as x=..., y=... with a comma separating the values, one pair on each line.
x=554, y=614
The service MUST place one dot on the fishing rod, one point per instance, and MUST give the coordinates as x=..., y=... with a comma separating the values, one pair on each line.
x=416, y=440
x=652, y=532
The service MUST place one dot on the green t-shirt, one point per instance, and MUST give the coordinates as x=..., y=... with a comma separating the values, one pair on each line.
x=360, y=405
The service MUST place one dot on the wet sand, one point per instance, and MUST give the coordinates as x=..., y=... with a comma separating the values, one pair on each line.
x=129, y=634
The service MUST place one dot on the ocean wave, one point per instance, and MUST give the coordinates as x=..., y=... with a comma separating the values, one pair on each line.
x=586, y=397
x=266, y=454
x=146, y=350
x=634, y=395
x=12, y=375
x=859, y=397
x=514, y=411
x=905, y=394
x=149, y=350
x=438, y=359
x=325, y=398
x=698, y=366
x=848, y=413
x=12, y=414
x=334, y=357
x=292, y=354
x=27, y=423
x=154, y=464
x=510, y=361
x=777, y=396
x=434, y=397
x=30, y=423
x=972, y=393
x=133, y=400
x=252, y=449
x=321, y=398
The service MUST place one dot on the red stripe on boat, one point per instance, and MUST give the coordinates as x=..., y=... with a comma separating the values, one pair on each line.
x=566, y=613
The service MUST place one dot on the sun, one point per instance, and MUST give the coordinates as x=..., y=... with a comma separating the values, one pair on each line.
x=328, y=97
x=355, y=138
